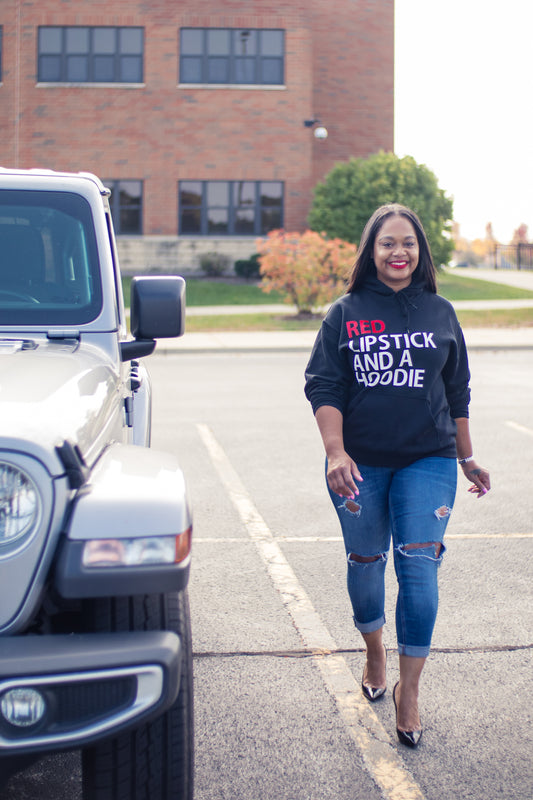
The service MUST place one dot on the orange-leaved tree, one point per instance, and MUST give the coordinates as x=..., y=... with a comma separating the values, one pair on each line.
x=309, y=269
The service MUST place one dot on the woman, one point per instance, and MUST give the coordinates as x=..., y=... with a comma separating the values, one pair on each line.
x=388, y=383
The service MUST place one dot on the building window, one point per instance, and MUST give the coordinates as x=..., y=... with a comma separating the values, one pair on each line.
x=230, y=208
x=90, y=55
x=126, y=206
x=232, y=55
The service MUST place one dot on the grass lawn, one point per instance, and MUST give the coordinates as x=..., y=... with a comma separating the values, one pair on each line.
x=235, y=293
x=221, y=292
x=206, y=292
x=501, y=318
x=455, y=287
x=252, y=322
x=498, y=318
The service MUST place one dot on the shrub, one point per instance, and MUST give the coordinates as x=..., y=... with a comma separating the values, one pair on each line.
x=214, y=264
x=248, y=267
x=307, y=268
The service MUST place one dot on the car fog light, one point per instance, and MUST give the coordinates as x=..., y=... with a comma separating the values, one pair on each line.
x=23, y=707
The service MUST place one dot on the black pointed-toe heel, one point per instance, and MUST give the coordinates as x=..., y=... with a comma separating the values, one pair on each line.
x=370, y=692
x=409, y=738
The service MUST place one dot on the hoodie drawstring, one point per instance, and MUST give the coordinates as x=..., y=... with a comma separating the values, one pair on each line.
x=405, y=303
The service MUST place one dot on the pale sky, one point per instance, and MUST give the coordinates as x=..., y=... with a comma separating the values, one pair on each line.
x=464, y=105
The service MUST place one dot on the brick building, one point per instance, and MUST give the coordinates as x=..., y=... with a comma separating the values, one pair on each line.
x=195, y=112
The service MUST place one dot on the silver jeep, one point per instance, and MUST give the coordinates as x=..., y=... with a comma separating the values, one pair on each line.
x=95, y=526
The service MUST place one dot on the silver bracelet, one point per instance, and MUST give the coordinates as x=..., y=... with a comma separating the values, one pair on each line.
x=465, y=460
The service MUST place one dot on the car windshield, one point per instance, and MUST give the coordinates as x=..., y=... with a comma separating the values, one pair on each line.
x=49, y=271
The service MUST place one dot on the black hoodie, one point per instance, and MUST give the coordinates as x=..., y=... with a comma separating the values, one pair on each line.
x=395, y=365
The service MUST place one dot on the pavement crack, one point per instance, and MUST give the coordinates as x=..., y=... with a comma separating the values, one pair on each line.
x=314, y=652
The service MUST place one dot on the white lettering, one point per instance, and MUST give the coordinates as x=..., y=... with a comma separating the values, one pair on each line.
x=406, y=359
x=418, y=339
x=384, y=367
x=371, y=361
x=385, y=360
x=400, y=377
x=418, y=382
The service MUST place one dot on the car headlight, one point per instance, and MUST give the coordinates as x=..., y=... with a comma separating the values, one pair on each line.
x=19, y=504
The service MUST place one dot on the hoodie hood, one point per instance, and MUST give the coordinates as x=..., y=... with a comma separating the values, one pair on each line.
x=408, y=299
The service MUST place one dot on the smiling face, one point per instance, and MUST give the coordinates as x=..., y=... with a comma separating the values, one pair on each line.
x=396, y=252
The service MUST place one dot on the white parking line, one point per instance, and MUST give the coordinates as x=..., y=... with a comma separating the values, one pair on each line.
x=520, y=428
x=321, y=539
x=380, y=758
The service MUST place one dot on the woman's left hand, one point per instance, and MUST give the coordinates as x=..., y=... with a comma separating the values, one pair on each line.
x=478, y=476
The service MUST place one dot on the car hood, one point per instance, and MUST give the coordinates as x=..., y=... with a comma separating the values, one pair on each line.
x=51, y=392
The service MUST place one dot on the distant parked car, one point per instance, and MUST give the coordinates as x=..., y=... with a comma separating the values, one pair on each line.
x=95, y=526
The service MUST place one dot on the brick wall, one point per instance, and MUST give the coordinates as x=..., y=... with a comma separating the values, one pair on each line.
x=338, y=65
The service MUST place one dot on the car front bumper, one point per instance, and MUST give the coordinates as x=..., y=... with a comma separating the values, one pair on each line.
x=93, y=685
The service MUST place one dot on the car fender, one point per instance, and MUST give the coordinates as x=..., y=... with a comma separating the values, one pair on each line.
x=133, y=492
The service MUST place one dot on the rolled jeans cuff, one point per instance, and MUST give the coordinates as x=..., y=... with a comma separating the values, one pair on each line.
x=370, y=627
x=413, y=651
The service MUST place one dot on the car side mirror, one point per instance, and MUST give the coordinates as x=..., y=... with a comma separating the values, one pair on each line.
x=157, y=311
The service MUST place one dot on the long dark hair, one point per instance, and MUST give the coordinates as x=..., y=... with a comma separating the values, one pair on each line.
x=364, y=263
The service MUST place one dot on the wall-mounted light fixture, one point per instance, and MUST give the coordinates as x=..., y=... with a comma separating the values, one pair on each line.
x=319, y=132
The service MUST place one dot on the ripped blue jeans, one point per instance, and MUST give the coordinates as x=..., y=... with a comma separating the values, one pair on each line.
x=412, y=505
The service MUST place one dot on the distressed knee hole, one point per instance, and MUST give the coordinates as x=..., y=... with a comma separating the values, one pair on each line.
x=354, y=557
x=442, y=512
x=351, y=507
x=439, y=547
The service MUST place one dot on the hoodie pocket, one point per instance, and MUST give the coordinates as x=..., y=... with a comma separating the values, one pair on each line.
x=383, y=422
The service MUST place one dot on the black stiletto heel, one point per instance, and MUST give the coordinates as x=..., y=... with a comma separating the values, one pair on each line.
x=409, y=738
x=370, y=692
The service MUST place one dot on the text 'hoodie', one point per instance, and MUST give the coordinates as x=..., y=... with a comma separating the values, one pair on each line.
x=395, y=365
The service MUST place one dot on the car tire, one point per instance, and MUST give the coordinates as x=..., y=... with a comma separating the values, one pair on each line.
x=154, y=761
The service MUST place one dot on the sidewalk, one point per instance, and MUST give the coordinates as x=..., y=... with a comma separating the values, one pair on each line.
x=460, y=305
x=521, y=278
x=302, y=341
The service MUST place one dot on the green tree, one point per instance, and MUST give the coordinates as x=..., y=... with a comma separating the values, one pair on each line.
x=353, y=190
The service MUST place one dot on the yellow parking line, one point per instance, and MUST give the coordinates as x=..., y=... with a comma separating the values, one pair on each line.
x=517, y=427
x=380, y=758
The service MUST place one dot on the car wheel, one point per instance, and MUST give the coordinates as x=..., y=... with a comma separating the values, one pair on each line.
x=154, y=761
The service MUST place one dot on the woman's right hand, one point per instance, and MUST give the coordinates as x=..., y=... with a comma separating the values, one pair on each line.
x=342, y=475
x=342, y=472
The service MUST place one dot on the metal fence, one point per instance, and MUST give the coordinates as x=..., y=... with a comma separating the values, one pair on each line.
x=513, y=256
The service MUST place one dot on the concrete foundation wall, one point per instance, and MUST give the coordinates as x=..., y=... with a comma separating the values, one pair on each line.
x=178, y=255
